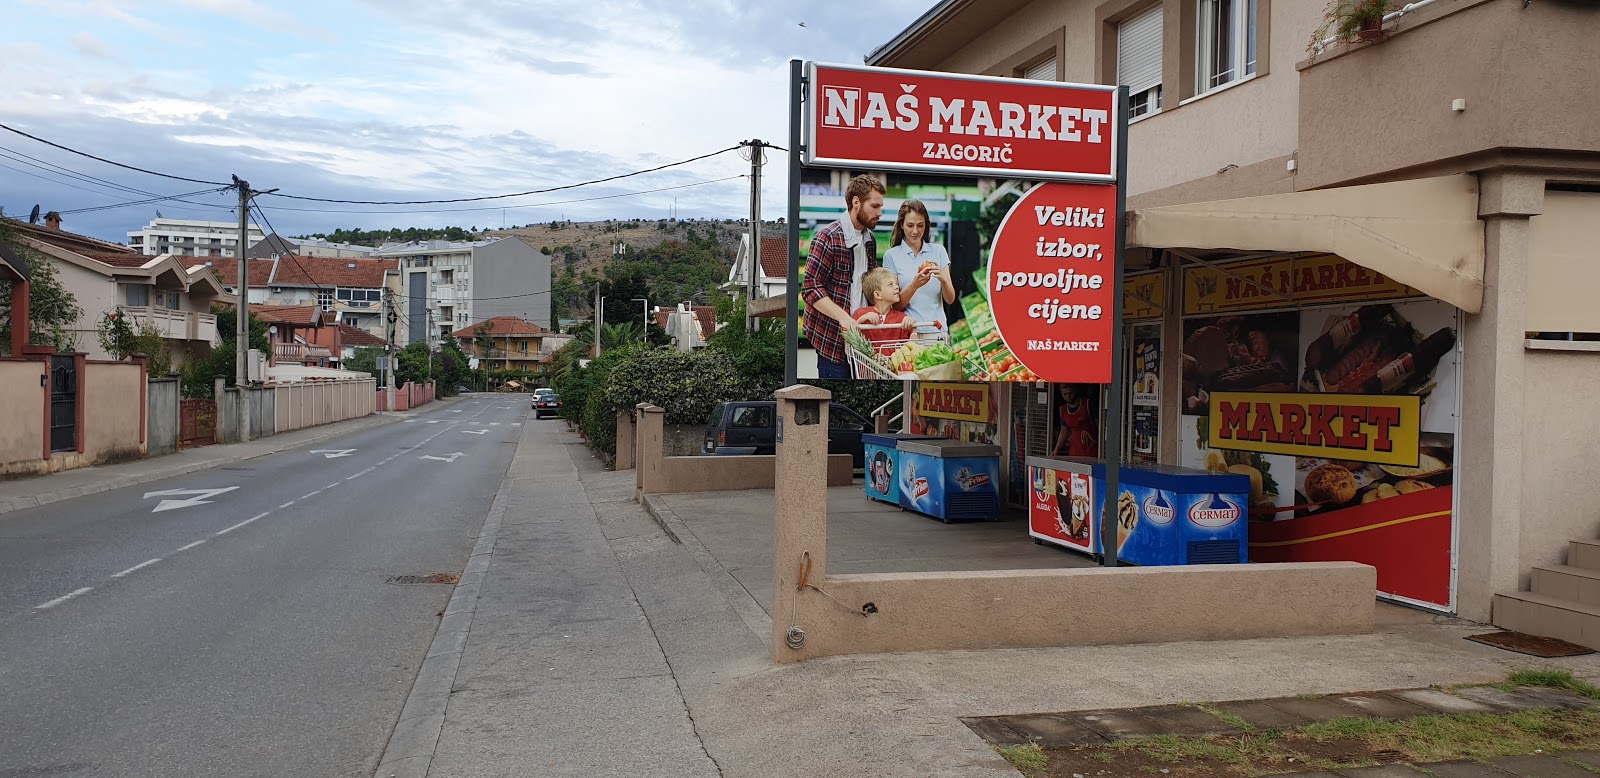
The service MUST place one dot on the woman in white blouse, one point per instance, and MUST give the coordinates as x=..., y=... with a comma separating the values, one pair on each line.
x=922, y=267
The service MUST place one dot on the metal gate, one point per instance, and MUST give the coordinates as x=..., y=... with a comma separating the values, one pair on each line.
x=197, y=423
x=63, y=402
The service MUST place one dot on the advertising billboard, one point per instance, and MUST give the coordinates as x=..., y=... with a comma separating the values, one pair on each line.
x=1004, y=269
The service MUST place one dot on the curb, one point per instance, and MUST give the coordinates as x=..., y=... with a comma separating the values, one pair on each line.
x=10, y=504
x=738, y=598
x=409, y=752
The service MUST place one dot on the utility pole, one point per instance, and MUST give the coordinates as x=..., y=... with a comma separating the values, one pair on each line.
x=757, y=150
x=598, y=314
x=429, y=341
x=241, y=356
x=646, y=301
x=388, y=372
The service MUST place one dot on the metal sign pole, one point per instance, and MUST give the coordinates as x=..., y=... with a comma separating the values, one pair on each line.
x=1113, y=443
x=791, y=351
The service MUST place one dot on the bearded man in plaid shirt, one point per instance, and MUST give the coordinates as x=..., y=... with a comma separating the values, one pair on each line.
x=841, y=253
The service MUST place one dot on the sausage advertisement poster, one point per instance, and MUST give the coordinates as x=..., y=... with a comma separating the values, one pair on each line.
x=1344, y=418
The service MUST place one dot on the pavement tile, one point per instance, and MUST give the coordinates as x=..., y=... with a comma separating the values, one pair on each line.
x=1590, y=758
x=1317, y=774
x=1464, y=768
x=1259, y=714
x=1497, y=699
x=995, y=730
x=1053, y=730
x=1185, y=720
x=1557, y=698
x=1382, y=771
x=1539, y=766
x=1441, y=701
x=1118, y=724
x=1382, y=706
x=1315, y=708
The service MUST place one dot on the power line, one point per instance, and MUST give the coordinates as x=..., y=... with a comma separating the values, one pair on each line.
x=156, y=199
x=509, y=207
x=110, y=162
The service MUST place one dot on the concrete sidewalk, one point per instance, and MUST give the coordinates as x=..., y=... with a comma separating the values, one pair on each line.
x=608, y=643
x=44, y=489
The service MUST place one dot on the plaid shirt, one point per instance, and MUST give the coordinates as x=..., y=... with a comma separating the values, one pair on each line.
x=828, y=267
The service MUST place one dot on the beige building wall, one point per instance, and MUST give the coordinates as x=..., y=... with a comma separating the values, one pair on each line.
x=96, y=295
x=22, y=415
x=113, y=401
x=1561, y=443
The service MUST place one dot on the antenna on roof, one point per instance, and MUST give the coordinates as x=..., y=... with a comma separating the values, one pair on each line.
x=33, y=218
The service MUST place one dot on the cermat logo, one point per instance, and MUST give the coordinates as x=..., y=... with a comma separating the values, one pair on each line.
x=1159, y=510
x=841, y=107
x=1215, y=512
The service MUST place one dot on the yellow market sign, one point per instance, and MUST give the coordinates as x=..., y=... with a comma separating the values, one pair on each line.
x=963, y=402
x=1144, y=296
x=1383, y=429
x=1286, y=281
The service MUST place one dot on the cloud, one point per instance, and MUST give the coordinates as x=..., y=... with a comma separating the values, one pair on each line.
x=90, y=45
x=254, y=13
x=553, y=67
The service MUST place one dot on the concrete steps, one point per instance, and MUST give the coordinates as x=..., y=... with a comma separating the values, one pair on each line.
x=1564, y=602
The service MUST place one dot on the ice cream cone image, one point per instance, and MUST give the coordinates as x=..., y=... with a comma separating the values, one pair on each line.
x=1127, y=518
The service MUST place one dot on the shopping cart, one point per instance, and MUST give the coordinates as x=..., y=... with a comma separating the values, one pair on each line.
x=864, y=364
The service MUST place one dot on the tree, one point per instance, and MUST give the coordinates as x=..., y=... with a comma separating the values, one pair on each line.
x=365, y=360
x=450, y=368
x=51, y=308
x=483, y=339
x=199, y=375
x=411, y=364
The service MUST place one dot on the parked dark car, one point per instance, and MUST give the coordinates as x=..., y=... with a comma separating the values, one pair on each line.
x=546, y=405
x=751, y=427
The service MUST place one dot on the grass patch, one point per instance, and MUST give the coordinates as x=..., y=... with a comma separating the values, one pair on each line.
x=1028, y=757
x=1552, y=679
x=1233, y=721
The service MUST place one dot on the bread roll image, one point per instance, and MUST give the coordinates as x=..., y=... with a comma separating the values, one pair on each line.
x=1330, y=483
x=1411, y=485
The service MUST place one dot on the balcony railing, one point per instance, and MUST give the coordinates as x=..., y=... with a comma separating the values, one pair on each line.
x=174, y=325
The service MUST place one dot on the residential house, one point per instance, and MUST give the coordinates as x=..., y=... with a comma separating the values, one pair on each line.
x=348, y=290
x=518, y=344
x=1453, y=153
x=191, y=238
x=689, y=327
x=227, y=271
x=351, y=339
x=275, y=245
x=445, y=286
x=300, y=335
x=159, y=292
x=773, y=277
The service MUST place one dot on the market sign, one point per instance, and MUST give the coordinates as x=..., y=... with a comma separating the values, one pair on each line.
x=962, y=402
x=1144, y=296
x=893, y=119
x=1051, y=281
x=1382, y=429
x=1286, y=281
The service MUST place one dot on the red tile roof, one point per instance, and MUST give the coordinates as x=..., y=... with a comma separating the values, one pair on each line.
x=227, y=269
x=707, y=314
x=116, y=258
x=70, y=241
x=502, y=327
x=287, y=314
x=775, y=256
x=355, y=336
x=330, y=272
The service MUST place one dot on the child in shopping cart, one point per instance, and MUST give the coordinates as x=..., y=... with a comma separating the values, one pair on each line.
x=881, y=289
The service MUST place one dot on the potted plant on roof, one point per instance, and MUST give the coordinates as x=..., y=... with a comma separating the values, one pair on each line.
x=1360, y=20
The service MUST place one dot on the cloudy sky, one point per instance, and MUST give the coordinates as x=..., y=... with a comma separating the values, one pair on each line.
x=407, y=100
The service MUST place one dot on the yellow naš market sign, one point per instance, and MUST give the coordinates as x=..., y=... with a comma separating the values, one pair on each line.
x=1304, y=281
x=1382, y=429
x=962, y=402
x=1144, y=296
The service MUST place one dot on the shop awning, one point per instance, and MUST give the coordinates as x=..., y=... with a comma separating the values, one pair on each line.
x=1423, y=233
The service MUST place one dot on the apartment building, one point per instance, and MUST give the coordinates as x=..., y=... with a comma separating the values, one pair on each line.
x=444, y=286
x=1448, y=160
x=191, y=238
x=349, y=291
x=275, y=244
x=510, y=343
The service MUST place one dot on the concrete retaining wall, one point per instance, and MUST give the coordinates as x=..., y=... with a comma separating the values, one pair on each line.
x=113, y=410
x=162, y=416
x=24, y=415
x=660, y=473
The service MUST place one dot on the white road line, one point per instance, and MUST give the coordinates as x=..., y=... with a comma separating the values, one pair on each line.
x=311, y=495
x=242, y=523
x=362, y=473
x=141, y=565
x=285, y=505
x=332, y=485
x=191, y=545
x=63, y=598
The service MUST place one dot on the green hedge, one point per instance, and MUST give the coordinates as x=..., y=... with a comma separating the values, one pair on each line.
x=687, y=385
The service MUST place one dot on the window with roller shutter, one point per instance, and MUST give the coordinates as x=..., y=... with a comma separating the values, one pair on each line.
x=1042, y=71
x=1139, y=60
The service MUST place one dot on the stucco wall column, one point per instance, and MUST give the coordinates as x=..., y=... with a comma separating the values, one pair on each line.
x=647, y=464
x=800, y=521
x=1490, y=453
x=625, y=441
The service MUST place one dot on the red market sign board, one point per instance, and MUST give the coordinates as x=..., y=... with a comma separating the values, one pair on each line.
x=909, y=120
x=1051, y=281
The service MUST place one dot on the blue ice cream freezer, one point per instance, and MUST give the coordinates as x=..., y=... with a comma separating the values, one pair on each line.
x=949, y=479
x=882, y=461
x=1177, y=515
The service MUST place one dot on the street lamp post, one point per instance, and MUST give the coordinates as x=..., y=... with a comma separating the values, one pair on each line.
x=646, y=333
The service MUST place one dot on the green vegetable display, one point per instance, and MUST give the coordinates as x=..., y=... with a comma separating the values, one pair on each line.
x=935, y=355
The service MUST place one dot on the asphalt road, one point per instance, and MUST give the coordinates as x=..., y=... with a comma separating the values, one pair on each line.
x=252, y=634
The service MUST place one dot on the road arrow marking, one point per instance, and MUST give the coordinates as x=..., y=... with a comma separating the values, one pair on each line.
x=476, y=432
x=433, y=421
x=458, y=410
x=201, y=497
x=335, y=453
x=446, y=458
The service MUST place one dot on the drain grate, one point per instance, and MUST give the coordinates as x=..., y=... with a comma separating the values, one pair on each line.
x=426, y=578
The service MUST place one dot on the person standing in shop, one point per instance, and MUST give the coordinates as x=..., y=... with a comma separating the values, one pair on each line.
x=840, y=254
x=1077, y=437
x=923, y=267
